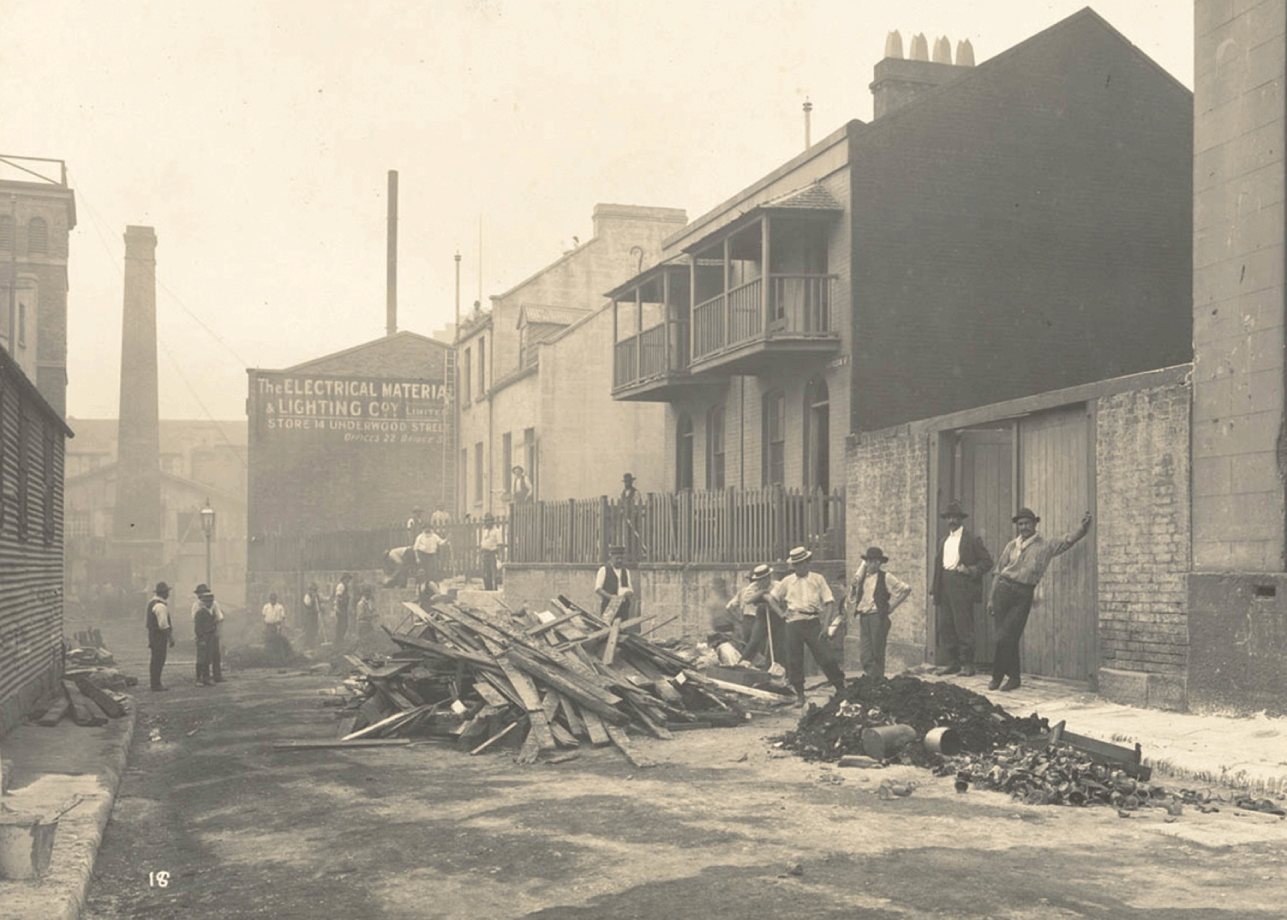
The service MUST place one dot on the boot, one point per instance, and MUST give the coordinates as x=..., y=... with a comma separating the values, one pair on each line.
x=1011, y=684
x=799, y=699
x=995, y=684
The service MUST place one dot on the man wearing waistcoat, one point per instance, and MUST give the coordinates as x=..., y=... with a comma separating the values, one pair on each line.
x=613, y=580
x=875, y=594
x=959, y=568
x=160, y=632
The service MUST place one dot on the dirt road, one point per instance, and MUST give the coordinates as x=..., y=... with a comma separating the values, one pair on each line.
x=716, y=829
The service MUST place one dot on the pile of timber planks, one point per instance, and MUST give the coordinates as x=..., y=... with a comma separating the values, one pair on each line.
x=543, y=681
x=85, y=702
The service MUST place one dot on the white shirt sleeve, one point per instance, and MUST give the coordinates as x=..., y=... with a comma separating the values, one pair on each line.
x=162, y=616
x=599, y=577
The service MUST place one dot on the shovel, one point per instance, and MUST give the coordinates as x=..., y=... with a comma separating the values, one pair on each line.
x=775, y=669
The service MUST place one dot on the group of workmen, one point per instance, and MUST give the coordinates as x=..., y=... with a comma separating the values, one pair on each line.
x=207, y=625
x=782, y=618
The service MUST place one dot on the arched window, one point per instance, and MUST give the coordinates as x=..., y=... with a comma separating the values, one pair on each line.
x=817, y=435
x=683, y=452
x=37, y=236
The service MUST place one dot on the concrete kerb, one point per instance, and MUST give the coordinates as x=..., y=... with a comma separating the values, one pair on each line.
x=61, y=893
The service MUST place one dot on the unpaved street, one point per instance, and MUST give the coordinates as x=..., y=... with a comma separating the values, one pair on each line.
x=712, y=831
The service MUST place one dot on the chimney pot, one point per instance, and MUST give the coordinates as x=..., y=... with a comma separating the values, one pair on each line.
x=964, y=54
x=920, y=48
x=894, y=45
x=942, y=50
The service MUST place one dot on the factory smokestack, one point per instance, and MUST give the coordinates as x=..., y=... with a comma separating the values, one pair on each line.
x=137, y=516
x=391, y=279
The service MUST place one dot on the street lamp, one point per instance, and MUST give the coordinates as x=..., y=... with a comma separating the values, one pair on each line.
x=207, y=527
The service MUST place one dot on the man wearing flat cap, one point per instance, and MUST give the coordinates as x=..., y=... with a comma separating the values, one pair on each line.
x=160, y=632
x=762, y=625
x=1022, y=563
x=959, y=568
x=807, y=598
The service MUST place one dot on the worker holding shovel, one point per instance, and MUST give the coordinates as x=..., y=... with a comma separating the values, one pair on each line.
x=760, y=615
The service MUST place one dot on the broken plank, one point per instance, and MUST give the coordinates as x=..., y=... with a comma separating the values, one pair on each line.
x=619, y=738
x=610, y=647
x=393, y=693
x=576, y=724
x=362, y=743
x=108, y=703
x=735, y=688
x=389, y=722
x=687, y=726
x=594, y=726
x=489, y=693
x=531, y=698
x=57, y=709
x=82, y=708
x=494, y=738
x=550, y=624
x=564, y=737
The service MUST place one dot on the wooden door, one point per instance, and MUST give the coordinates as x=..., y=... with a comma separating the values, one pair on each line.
x=983, y=481
x=1055, y=481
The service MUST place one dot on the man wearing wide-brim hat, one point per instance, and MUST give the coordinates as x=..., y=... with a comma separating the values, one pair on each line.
x=875, y=594
x=160, y=632
x=807, y=598
x=1022, y=563
x=762, y=624
x=206, y=629
x=959, y=566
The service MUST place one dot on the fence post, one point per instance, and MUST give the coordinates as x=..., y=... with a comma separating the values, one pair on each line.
x=603, y=529
x=572, y=530
x=780, y=522
x=729, y=540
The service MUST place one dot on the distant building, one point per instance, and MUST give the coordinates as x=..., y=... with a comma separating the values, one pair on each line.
x=200, y=460
x=351, y=440
x=997, y=230
x=535, y=374
x=37, y=212
x=32, y=435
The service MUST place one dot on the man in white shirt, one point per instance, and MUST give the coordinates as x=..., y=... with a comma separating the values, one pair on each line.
x=274, y=617
x=489, y=545
x=807, y=598
x=613, y=580
x=426, y=551
x=160, y=632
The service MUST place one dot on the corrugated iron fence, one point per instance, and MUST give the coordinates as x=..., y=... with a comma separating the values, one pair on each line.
x=728, y=526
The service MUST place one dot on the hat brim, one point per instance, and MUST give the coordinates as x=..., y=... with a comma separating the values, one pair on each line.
x=948, y=514
x=880, y=559
x=1025, y=517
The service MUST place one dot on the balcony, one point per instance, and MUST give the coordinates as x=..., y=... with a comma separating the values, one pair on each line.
x=651, y=365
x=743, y=331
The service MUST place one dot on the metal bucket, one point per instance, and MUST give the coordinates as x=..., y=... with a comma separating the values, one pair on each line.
x=942, y=740
x=883, y=741
x=26, y=845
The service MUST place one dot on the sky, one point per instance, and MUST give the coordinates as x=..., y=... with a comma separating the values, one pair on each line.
x=255, y=137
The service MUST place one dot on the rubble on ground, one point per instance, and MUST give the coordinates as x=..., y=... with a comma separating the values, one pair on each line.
x=539, y=682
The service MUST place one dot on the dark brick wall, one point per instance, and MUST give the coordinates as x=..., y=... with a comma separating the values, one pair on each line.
x=1238, y=629
x=1142, y=494
x=1026, y=228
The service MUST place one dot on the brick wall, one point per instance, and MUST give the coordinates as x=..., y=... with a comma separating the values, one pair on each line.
x=1142, y=494
x=888, y=487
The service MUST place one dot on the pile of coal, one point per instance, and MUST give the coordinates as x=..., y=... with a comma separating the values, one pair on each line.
x=835, y=730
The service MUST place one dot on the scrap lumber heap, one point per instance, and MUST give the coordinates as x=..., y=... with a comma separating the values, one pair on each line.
x=543, y=682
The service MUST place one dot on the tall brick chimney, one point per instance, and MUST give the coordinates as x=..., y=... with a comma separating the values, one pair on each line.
x=897, y=81
x=137, y=515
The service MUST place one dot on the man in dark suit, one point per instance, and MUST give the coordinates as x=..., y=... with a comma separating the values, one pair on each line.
x=959, y=568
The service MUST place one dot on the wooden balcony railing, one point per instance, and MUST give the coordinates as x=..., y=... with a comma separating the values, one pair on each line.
x=743, y=527
x=644, y=356
x=798, y=305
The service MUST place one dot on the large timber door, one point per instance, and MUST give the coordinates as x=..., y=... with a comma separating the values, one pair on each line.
x=983, y=481
x=1055, y=481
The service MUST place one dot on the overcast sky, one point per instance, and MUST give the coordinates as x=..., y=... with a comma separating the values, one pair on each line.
x=255, y=136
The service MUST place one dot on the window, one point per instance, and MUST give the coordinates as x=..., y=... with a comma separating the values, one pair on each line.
x=465, y=380
x=773, y=470
x=817, y=435
x=37, y=236
x=478, y=472
x=530, y=456
x=47, y=487
x=507, y=458
x=482, y=367
x=6, y=231
x=715, y=447
x=683, y=452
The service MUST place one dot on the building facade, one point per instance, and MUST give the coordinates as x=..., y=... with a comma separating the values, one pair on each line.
x=37, y=214
x=997, y=230
x=32, y=437
x=534, y=376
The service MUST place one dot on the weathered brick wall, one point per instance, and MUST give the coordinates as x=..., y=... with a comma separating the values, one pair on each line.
x=888, y=487
x=1142, y=494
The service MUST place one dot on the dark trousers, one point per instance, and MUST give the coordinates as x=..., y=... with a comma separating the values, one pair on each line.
x=310, y=628
x=341, y=624
x=957, y=620
x=160, y=649
x=765, y=620
x=216, y=654
x=873, y=632
x=800, y=633
x=205, y=654
x=1011, y=602
x=489, y=569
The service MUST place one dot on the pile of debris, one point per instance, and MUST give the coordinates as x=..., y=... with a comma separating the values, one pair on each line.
x=836, y=730
x=540, y=681
x=89, y=695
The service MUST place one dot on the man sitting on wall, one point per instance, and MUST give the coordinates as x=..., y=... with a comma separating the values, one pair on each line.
x=613, y=580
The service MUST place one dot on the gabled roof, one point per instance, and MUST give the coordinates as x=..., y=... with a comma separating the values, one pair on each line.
x=813, y=197
x=537, y=313
x=398, y=338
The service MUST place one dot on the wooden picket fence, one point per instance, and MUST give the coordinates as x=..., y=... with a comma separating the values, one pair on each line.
x=735, y=526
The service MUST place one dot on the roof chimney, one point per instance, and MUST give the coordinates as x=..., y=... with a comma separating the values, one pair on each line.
x=897, y=81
